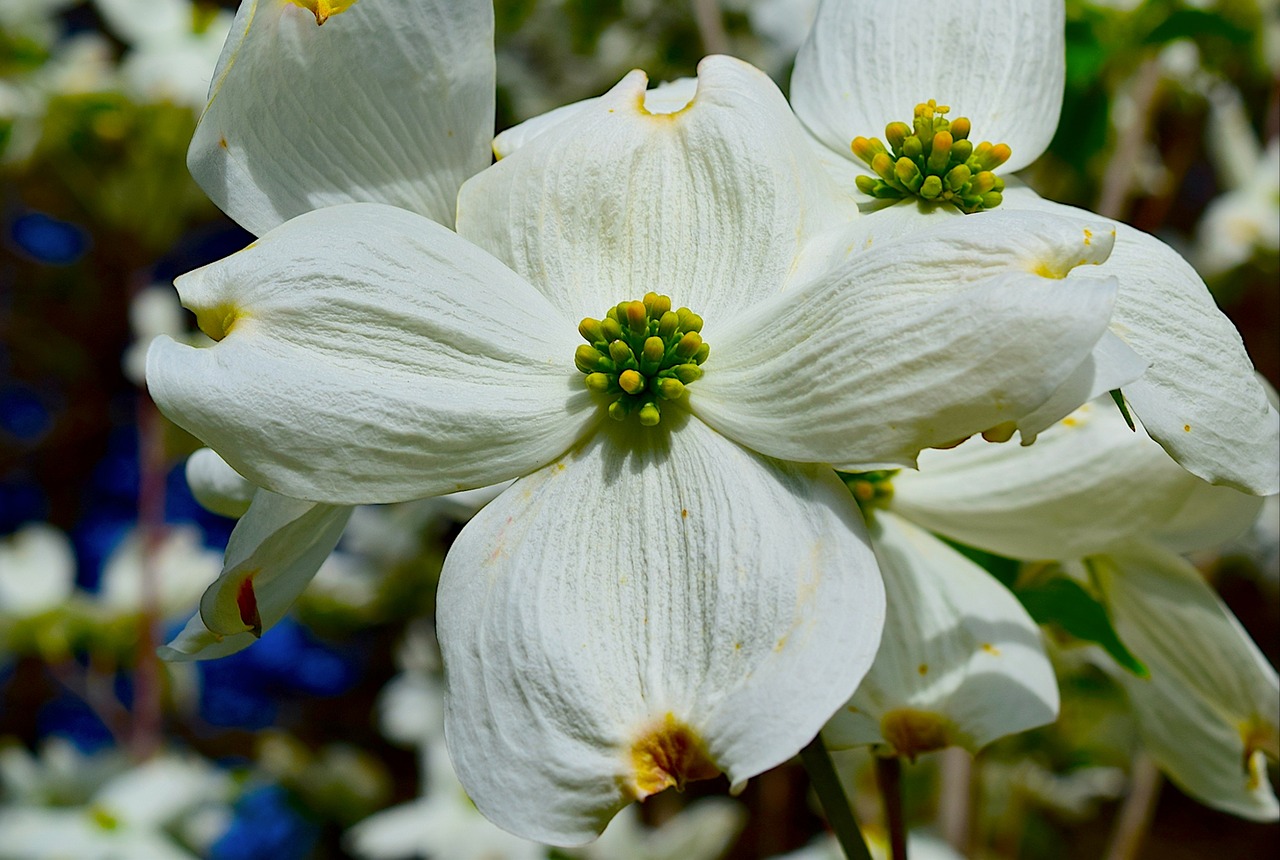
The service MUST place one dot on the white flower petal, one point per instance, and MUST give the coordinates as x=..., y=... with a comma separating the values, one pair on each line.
x=909, y=344
x=709, y=205
x=180, y=567
x=664, y=98
x=216, y=486
x=1199, y=399
x=1111, y=365
x=1087, y=483
x=1211, y=708
x=387, y=102
x=961, y=663
x=649, y=588
x=372, y=356
x=273, y=553
x=154, y=793
x=1001, y=63
x=37, y=571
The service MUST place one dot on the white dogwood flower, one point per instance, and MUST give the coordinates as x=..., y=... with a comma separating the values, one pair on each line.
x=277, y=139
x=682, y=591
x=1092, y=490
x=997, y=68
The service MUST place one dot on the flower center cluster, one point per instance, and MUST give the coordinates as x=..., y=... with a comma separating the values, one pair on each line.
x=871, y=490
x=640, y=355
x=933, y=159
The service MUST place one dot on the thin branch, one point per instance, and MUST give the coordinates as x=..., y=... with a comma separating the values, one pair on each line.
x=1117, y=181
x=1136, y=813
x=955, y=802
x=889, y=778
x=822, y=776
x=706, y=14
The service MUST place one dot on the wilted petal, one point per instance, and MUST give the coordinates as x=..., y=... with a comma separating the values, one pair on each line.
x=390, y=101
x=909, y=344
x=1210, y=710
x=1199, y=399
x=656, y=606
x=273, y=553
x=960, y=664
x=709, y=205
x=371, y=355
x=1001, y=63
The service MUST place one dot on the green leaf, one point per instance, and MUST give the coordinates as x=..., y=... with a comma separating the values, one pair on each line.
x=1198, y=24
x=1067, y=603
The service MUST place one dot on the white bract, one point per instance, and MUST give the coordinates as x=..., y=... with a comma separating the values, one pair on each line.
x=961, y=662
x=278, y=138
x=1001, y=65
x=648, y=604
x=1092, y=489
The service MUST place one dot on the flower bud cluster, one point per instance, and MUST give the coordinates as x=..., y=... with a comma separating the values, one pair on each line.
x=933, y=159
x=640, y=355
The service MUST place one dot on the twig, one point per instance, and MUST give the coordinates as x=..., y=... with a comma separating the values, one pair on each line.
x=955, y=803
x=822, y=776
x=1117, y=181
x=145, y=738
x=1136, y=813
x=706, y=14
x=889, y=778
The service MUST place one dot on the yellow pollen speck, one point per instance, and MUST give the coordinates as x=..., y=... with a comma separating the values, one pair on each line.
x=218, y=320
x=1186, y=428
x=1088, y=236
x=684, y=513
x=923, y=668
x=560, y=467
x=912, y=733
x=222, y=142
x=668, y=754
x=323, y=9
x=991, y=649
x=780, y=644
x=1070, y=422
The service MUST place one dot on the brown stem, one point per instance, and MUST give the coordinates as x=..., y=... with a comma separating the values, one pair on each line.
x=706, y=14
x=145, y=738
x=1117, y=181
x=1136, y=813
x=889, y=778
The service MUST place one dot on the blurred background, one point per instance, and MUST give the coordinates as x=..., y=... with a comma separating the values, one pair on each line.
x=321, y=740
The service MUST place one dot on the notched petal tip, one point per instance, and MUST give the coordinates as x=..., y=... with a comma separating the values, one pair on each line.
x=1093, y=248
x=669, y=753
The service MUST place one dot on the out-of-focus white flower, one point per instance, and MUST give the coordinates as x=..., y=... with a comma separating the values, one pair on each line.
x=703, y=830
x=1245, y=219
x=129, y=816
x=80, y=64
x=153, y=311
x=173, y=48
x=181, y=569
x=37, y=572
x=59, y=774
